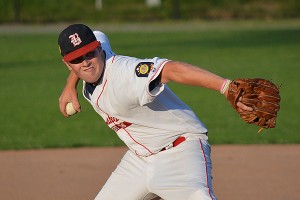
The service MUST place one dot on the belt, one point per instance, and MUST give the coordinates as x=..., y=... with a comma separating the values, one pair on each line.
x=176, y=142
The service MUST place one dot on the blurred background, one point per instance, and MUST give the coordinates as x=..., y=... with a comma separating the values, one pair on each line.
x=38, y=11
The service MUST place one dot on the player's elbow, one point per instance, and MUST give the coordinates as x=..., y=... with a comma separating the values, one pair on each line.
x=171, y=72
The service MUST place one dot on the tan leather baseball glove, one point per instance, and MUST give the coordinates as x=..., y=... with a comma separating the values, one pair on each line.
x=260, y=94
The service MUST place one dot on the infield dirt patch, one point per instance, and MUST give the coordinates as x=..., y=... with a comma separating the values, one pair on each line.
x=254, y=172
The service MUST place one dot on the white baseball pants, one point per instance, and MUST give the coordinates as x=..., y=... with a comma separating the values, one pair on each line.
x=179, y=173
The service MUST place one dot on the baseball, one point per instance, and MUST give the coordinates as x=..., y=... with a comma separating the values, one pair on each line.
x=70, y=110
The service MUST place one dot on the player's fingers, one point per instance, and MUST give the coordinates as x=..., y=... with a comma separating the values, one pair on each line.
x=76, y=105
x=63, y=111
x=62, y=107
x=243, y=106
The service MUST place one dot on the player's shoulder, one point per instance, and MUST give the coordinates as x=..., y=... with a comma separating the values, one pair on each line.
x=122, y=66
x=120, y=60
x=124, y=59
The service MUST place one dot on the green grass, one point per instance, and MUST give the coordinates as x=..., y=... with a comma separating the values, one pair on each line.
x=32, y=77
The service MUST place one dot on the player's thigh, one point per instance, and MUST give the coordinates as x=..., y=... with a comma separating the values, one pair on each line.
x=184, y=172
x=127, y=182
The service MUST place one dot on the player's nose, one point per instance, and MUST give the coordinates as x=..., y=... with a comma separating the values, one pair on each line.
x=86, y=63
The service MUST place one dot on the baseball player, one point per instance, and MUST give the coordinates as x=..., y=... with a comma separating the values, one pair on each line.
x=169, y=152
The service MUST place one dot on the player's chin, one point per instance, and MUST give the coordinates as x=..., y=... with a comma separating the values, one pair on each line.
x=91, y=79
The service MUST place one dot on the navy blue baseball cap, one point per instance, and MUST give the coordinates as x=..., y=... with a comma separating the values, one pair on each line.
x=75, y=41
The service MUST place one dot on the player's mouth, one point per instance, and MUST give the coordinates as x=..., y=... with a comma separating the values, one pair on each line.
x=89, y=69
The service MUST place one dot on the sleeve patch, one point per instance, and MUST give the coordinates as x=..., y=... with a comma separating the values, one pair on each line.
x=143, y=69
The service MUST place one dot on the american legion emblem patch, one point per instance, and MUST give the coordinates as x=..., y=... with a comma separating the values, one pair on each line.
x=143, y=69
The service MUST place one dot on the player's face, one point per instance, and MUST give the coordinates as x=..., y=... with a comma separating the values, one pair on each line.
x=88, y=67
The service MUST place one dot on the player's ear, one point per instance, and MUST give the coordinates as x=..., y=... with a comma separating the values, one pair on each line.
x=67, y=64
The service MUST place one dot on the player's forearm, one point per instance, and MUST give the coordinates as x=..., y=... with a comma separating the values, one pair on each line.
x=69, y=94
x=72, y=80
x=191, y=75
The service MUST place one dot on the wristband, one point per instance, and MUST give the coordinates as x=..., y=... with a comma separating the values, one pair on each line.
x=225, y=86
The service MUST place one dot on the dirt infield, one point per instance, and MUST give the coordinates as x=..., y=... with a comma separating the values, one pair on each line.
x=254, y=172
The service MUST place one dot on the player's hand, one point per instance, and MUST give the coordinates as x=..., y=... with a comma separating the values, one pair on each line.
x=239, y=104
x=243, y=106
x=69, y=94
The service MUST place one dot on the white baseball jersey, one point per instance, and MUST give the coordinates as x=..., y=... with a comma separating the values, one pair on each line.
x=148, y=116
x=146, y=120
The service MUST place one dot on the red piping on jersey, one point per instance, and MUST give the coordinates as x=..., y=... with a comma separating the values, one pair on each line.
x=115, y=123
x=113, y=59
x=162, y=64
x=209, y=189
x=101, y=94
x=138, y=142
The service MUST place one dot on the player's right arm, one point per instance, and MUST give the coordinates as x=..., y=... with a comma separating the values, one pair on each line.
x=69, y=94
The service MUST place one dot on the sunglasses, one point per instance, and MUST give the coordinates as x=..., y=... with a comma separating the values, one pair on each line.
x=87, y=56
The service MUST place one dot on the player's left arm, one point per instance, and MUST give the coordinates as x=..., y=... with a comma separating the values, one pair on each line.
x=188, y=74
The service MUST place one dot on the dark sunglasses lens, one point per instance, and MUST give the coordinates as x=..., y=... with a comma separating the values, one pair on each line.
x=77, y=60
x=80, y=59
x=90, y=54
